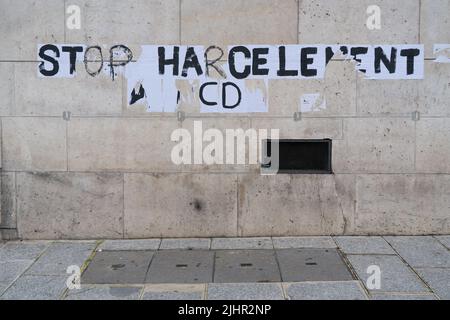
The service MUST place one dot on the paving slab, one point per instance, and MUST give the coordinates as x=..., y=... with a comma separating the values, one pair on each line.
x=174, y=292
x=241, y=243
x=22, y=250
x=129, y=245
x=31, y=287
x=186, y=244
x=104, y=293
x=445, y=240
x=118, y=267
x=3, y=286
x=11, y=269
x=386, y=296
x=421, y=251
x=60, y=255
x=438, y=279
x=234, y=266
x=364, y=245
x=395, y=275
x=181, y=266
x=298, y=265
x=341, y=290
x=303, y=242
x=245, y=291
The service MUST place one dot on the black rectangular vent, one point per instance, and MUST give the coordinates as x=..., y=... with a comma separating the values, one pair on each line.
x=300, y=156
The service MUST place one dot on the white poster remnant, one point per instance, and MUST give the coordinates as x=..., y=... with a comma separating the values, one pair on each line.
x=236, y=82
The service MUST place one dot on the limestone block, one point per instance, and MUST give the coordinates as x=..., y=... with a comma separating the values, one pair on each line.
x=125, y=144
x=344, y=22
x=375, y=145
x=433, y=146
x=36, y=144
x=70, y=205
x=180, y=205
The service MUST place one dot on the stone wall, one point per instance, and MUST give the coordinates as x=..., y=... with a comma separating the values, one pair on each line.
x=106, y=171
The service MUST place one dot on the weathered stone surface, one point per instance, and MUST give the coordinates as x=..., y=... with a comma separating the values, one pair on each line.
x=235, y=266
x=289, y=205
x=81, y=95
x=1, y=154
x=303, y=242
x=339, y=290
x=25, y=24
x=387, y=97
x=8, y=200
x=433, y=91
x=140, y=22
x=386, y=296
x=375, y=145
x=395, y=204
x=99, y=144
x=305, y=129
x=245, y=291
x=3, y=286
x=239, y=22
x=186, y=244
x=433, y=145
x=6, y=88
x=364, y=245
x=10, y=270
x=223, y=125
x=395, y=275
x=185, y=205
x=8, y=234
x=104, y=293
x=181, y=266
x=337, y=90
x=84, y=203
x=438, y=279
x=346, y=190
x=61, y=255
x=421, y=252
x=383, y=141
x=128, y=245
x=31, y=287
x=445, y=240
x=241, y=243
x=306, y=264
x=189, y=101
x=35, y=144
x=16, y=250
x=434, y=22
x=335, y=21
x=118, y=267
x=174, y=292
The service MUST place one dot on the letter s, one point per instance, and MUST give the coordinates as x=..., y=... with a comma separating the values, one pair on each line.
x=45, y=57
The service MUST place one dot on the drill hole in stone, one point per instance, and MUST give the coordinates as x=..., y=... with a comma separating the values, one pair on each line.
x=246, y=265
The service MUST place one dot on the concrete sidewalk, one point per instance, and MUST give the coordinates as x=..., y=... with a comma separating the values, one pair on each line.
x=244, y=268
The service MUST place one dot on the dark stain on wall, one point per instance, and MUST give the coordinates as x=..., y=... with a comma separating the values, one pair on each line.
x=197, y=204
